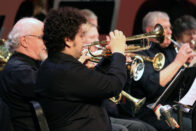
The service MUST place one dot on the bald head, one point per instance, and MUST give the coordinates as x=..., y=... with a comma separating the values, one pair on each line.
x=26, y=38
x=23, y=27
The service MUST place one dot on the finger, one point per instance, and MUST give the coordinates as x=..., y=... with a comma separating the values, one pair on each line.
x=121, y=33
x=116, y=32
x=112, y=35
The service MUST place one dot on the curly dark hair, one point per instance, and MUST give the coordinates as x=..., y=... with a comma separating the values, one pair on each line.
x=61, y=23
x=182, y=24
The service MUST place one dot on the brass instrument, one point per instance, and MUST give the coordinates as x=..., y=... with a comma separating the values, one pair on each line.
x=137, y=66
x=137, y=103
x=158, y=60
x=157, y=33
x=4, y=54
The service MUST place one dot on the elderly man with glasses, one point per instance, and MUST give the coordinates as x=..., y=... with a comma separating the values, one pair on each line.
x=19, y=74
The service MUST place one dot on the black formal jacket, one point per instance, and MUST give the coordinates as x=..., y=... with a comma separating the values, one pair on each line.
x=72, y=95
x=17, y=83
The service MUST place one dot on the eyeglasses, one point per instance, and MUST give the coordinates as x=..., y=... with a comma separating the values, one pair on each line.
x=39, y=37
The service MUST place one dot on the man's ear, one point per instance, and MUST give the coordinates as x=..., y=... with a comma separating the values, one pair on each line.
x=23, y=42
x=68, y=42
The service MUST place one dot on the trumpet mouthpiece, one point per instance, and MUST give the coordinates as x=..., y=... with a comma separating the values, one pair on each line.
x=193, y=42
x=168, y=37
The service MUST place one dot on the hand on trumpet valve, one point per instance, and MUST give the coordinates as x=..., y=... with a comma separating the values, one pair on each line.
x=117, y=42
x=84, y=57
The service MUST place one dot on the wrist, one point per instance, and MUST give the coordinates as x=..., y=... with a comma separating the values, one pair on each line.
x=122, y=52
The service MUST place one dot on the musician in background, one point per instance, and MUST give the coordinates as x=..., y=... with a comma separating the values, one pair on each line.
x=18, y=77
x=184, y=30
x=90, y=16
x=153, y=83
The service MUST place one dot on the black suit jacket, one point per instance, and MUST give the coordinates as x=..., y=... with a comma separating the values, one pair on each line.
x=17, y=83
x=72, y=95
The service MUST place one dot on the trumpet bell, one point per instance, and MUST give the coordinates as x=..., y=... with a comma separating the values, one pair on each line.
x=159, y=32
x=136, y=68
x=159, y=61
x=138, y=104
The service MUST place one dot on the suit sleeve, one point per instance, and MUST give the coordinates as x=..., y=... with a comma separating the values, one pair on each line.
x=95, y=84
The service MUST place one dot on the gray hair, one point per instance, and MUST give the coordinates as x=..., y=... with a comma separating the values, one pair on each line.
x=89, y=14
x=23, y=27
x=151, y=17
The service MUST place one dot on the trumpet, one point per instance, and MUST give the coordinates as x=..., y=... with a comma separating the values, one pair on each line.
x=157, y=33
x=158, y=60
x=135, y=68
x=137, y=103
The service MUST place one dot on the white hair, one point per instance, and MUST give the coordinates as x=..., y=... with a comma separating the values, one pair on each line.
x=23, y=27
x=151, y=17
x=89, y=14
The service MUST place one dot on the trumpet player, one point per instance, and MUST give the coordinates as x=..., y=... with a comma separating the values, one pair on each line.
x=153, y=83
x=71, y=94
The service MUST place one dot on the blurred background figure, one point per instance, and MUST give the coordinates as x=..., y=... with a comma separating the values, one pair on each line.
x=90, y=16
x=184, y=30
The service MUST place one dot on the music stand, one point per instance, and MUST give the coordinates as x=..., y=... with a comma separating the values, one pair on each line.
x=183, y=80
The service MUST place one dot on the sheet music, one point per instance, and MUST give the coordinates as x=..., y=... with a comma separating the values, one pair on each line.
x=190, y=97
